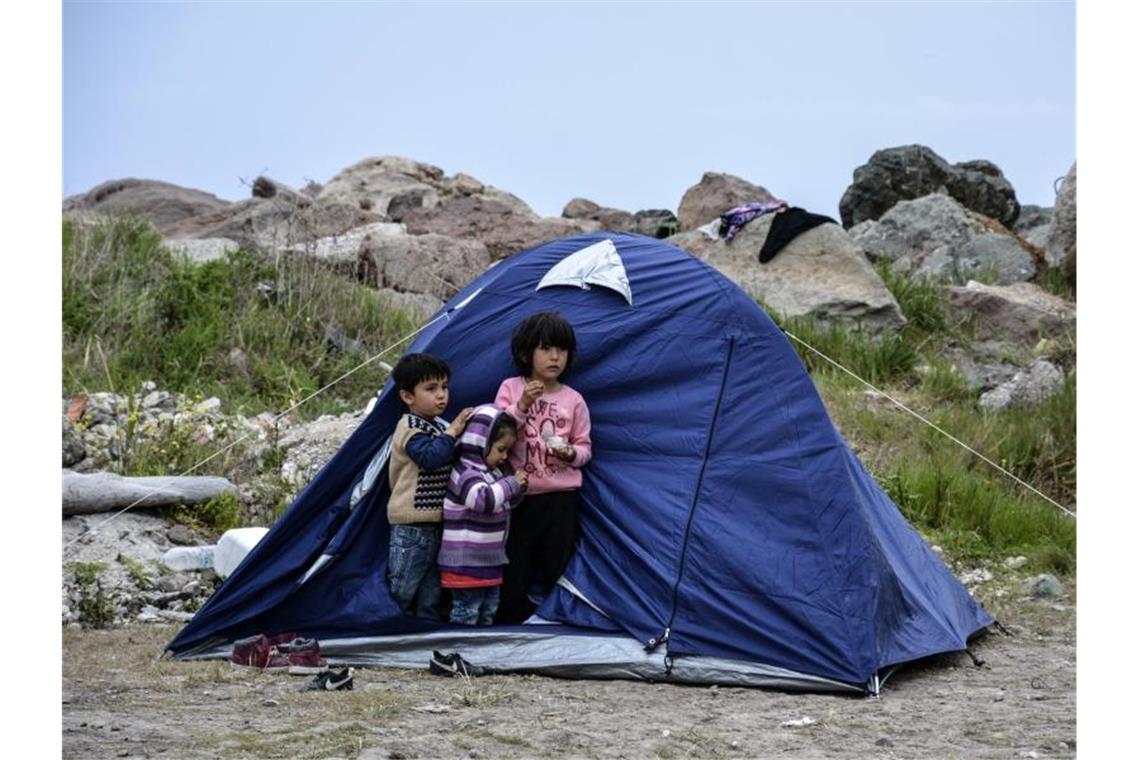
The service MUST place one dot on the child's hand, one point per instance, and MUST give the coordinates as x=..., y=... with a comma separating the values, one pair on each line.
x=565, y=453
x=522, y=478
x=530, y=394
x=460, y=422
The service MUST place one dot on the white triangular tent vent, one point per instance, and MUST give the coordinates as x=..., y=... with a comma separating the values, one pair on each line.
x=598, y=264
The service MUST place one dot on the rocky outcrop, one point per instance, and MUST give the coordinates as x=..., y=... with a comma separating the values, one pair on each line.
x=496, y=223
x=1061, y=242
x=163, y=203
x=937, y=237
x=201, y=250
x=272, y=224
x=309, y=446
x=907, y=172
x=656, y=222
x=1030, y=386
x=715, y=194
x=430, y=266
x=613, y=219
x=73, y=449
x=1033, y=225
x=1020, y=314
x=821, y=273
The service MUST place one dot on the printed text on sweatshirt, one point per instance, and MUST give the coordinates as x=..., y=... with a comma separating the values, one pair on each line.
x=563, y=413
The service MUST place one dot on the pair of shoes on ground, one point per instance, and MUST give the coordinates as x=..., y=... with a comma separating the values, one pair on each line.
x=452, y=665
x=331, y=680
x=284, y=652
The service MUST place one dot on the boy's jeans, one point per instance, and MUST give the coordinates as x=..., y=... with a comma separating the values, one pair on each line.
x=412, y=553
x=474, y=606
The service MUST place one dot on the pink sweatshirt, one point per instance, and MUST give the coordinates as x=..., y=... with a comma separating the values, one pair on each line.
x=561, y=413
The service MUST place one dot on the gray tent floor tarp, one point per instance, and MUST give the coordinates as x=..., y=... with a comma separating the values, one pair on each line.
x=556, y=653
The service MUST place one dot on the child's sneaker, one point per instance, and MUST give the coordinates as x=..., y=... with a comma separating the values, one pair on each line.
x=331, y=681
x=299, y=656
x=452, y=665
x=257, y=651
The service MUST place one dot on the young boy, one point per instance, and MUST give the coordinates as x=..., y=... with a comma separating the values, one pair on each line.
x=423, y=449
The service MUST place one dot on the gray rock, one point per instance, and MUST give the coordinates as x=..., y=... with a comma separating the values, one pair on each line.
x=465, y=184
x=656, y=223
x=494, y=222
x=1021, y=313
x=1032, y=217
x=936, y=236
x=1061, y=243
x=820, y=273
x=73, y=448
x=201, y=250
x=428, y=264
x=277, y=223
x=614, y=219
x=1030, y=386
x=163, y=203
x=160, y=400
x=341, y=251
x=374, y=182
x=1015, y=563
x=1044, y=585
x=913, y=171
x=181, y=535
x=309, y=446
x=715, y=194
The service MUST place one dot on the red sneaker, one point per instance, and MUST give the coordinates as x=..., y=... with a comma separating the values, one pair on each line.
x=257, y=651
x=297, y=656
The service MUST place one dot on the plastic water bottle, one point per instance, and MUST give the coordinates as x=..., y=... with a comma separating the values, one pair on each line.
x=189, y=557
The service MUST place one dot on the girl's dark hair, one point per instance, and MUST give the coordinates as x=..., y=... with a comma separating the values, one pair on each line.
x=547, y=328
x=503, y=423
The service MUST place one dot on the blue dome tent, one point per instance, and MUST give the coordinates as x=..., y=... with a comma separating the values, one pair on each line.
x=728, y=533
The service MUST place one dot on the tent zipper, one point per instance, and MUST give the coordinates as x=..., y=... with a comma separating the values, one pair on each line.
x=654, y=643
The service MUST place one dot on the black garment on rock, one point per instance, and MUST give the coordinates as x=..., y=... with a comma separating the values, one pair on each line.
x=786, y=225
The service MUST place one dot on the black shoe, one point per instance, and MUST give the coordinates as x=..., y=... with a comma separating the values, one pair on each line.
x=331, y=681
x=452, y=665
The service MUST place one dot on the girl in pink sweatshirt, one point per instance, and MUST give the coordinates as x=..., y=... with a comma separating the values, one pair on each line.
x=552, y=448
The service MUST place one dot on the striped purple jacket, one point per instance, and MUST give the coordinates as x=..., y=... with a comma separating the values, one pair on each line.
x=476, y=509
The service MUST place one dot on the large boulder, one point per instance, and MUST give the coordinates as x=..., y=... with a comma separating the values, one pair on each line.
x=913, y=171
x=163, y=203
x=426, y=269
x=1061, y=243
x=73, y=449
x=373, y=183
x=614, y=219
x=821, y=273
x=493, y=221
x=938, y=237
x=1036, y=383
x=1033, y=225
x=275, y=223
x=715, y=194
x=656, y=222
x=1020, y=314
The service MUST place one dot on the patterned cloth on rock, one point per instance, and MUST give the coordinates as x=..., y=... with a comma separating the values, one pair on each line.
x=734, y=219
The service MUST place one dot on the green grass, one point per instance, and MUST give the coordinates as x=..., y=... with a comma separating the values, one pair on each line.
x=947, y=492
x=133, y=311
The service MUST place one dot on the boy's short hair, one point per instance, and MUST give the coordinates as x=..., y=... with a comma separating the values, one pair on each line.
x=547, y=328
x=413, y=369
x=503, y=423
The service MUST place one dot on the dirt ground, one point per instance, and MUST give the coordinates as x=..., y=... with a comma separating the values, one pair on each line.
x=121, y=700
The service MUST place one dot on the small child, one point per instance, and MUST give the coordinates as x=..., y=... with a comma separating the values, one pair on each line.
x=476, y=514
x=423, y=448
x=553, y=446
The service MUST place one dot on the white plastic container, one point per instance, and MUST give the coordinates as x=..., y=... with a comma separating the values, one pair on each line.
x=189, y=557
x=233, y=546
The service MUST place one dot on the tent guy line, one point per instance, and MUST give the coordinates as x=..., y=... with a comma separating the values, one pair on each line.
x=226, y=448
x=910, y=411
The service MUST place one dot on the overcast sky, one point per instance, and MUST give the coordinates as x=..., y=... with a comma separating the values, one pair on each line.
x=625, y=104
